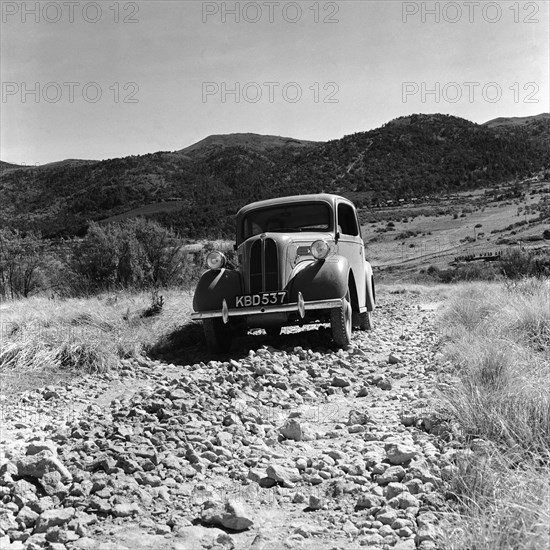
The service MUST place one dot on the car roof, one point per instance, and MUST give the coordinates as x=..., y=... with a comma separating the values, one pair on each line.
x=321, y=197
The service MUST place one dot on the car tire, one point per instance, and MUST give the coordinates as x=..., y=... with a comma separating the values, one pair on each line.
x=217, y=335
x=365, y=321
x=273, y=332
x=341, y=322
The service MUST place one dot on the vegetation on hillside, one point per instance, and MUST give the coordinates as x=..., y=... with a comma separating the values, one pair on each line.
x=514, y=264
x=409, y=157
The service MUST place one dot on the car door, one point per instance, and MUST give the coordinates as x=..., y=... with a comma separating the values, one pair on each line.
x=351, y=246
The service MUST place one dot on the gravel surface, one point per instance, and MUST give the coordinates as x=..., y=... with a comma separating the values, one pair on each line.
x=299, y=445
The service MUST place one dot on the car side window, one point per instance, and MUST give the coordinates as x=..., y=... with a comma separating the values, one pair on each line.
x=347, y=221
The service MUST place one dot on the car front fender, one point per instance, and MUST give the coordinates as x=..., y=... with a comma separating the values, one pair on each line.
x=319, y=279
x=214, y=286
x=371, y=296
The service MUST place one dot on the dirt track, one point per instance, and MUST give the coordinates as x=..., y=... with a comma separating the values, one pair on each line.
x=314, y=447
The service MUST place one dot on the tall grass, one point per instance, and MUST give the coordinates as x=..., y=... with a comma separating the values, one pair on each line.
x=501, y=506
x=498, y=337
x=85, y=335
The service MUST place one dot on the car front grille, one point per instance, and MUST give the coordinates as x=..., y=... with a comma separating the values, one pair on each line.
x=264, y=266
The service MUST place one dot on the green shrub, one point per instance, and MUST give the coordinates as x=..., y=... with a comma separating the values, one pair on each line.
x=133, y=254
x=475, y=271
x=22, y=259
x=518, y=263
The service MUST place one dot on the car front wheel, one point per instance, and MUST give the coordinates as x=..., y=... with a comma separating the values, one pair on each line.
x=217, y=335
x=341, y=321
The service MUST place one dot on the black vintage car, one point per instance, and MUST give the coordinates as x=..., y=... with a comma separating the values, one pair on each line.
x=301, y=260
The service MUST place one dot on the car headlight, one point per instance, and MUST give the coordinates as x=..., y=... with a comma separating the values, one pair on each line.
x=320, y=249
x=215, y=260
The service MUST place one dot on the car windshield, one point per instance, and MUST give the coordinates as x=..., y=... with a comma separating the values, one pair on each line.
x=288, y=218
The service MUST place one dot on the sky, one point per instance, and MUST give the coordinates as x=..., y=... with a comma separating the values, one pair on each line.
x=106, y=79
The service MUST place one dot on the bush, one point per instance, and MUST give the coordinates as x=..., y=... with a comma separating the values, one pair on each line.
x=406, y=234
x=22, y=258
x=465, y=272
x=518, y=263
x=133, y=254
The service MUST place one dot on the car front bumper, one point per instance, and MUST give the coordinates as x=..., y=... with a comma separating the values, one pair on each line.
x=300, y=307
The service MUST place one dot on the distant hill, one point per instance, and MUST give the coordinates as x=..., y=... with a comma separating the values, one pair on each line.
x=517, y=121
x=253, y=142
x=5, y=166
x=198, y=189
x=69, y=163
x=535, y=128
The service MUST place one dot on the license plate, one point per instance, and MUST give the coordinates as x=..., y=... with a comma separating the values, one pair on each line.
x=261, y=299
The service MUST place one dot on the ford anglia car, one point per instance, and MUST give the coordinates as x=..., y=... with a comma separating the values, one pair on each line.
x=301, y=260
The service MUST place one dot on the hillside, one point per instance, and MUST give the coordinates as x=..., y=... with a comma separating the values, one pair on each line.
x=517, y=121
x=409, y=157
x=534, y=127
x=253, y=142
x=5, y=166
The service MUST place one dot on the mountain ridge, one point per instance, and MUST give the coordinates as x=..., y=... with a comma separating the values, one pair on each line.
x=509, y=121
x=410, y=156
x=244, y=138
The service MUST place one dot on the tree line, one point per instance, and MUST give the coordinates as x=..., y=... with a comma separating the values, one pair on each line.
x=137, y=254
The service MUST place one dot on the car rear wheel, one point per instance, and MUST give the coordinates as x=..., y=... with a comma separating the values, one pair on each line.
x=341, y=321
x=217, y=335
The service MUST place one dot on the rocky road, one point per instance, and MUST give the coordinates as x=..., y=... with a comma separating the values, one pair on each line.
x=299, y=445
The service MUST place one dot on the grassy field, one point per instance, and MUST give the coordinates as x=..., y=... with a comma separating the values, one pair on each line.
x=423, y=234
x=498, y=338
x=47, y=340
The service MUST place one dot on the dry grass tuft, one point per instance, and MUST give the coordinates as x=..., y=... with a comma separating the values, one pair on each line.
x=498, y=340
x=500, y=506
x=84, y=335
